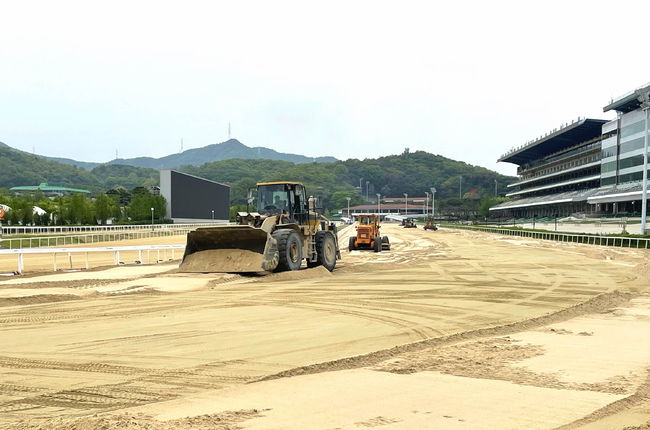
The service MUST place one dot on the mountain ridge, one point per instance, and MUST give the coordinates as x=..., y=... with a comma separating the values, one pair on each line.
x=227, y=150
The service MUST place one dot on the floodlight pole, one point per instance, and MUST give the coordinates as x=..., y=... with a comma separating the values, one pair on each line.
x=212, y=214
x=378, y=203
x=433, y=202
x=496, y=194
x=406, y=204
x=151, y=219
x=367, y=183
x=348, y=199
x=645, y=104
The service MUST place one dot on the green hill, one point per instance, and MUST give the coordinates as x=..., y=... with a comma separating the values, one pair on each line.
x=413, y=173
x=391, y=176
x=20, y=168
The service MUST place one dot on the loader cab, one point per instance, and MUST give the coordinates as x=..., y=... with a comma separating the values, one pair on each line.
x=282, y=198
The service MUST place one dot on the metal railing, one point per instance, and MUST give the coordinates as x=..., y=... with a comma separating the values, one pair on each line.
x=20, y=253
x=101, y=235
x=9, y=230
x=619, y=241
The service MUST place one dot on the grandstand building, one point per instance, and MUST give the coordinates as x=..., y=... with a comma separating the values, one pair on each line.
x=589, y=167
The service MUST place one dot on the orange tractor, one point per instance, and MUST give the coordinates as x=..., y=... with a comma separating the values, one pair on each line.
x=368, y=235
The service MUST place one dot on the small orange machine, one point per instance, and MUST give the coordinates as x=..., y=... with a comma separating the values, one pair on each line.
x=368, y=235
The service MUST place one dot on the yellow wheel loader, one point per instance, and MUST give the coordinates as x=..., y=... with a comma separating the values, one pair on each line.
x=284, y=229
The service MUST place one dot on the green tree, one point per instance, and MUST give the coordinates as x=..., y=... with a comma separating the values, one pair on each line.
x=141, y=204
x=103, y=208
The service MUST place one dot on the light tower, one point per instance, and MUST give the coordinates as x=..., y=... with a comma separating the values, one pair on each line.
x=433, y=202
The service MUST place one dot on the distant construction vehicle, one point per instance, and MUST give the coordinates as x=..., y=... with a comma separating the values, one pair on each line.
x=430, y=224
x=368, y=236
x=285, y=229
x=409, y=223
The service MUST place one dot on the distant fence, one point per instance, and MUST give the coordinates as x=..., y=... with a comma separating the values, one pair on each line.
x=20, y=253
x=101, y=235
x=57, y=229
x=620, y=241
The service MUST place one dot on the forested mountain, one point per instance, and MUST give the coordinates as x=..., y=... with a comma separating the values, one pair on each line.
x=112, y=175
x=219, y=151
x=413, y=173
x=195, y=157
x=22, y=168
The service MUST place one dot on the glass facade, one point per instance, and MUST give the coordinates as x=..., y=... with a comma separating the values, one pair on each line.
x=622, y=154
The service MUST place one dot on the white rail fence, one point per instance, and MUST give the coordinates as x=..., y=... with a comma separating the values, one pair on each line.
x=619, y=241
x=105, y=236
x=19, y=229
x=168, y=251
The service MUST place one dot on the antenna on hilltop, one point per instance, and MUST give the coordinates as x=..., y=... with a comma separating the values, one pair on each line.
x=181, y=144
x=33, y=150
x=228, y=130
x=116, y=153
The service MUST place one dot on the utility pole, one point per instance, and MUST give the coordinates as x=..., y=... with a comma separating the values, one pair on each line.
x=496, y=194
x=460, y=188
x=367, y=183
x=348, y=199
x=378, y=203
x=406, y=204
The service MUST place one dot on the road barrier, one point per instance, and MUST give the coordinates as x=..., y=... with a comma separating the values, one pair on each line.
x=620, y=241
x=20, y=253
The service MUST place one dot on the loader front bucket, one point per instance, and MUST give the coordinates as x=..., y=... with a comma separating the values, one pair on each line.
x=229, y=249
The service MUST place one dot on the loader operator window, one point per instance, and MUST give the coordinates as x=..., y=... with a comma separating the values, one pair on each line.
x=272, y=200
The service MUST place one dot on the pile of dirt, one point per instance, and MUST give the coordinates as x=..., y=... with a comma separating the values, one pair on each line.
x=228, y=420
x=492, y=358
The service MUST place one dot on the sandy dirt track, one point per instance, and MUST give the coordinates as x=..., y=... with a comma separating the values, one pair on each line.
x=449, y=329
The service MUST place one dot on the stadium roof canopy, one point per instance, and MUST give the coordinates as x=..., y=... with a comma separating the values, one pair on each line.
x=44, y=187
x=565, y=137
x=628, y=102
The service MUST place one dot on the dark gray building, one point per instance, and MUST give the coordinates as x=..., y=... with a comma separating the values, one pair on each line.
x=193, y=199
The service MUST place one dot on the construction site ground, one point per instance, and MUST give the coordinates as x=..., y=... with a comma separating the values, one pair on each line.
x=448, y=330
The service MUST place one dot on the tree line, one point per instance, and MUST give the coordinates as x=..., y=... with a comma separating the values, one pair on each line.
x=119, y=205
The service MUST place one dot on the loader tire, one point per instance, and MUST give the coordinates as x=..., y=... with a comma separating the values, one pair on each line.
x=377, y=244
x=385, y=243
x=289, y=248
x=326, y=249
x=351, y=246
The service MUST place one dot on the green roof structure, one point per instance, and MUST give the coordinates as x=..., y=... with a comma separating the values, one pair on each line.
x=45, y=188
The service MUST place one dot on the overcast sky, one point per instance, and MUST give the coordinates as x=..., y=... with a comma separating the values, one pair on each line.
x=351, y=79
